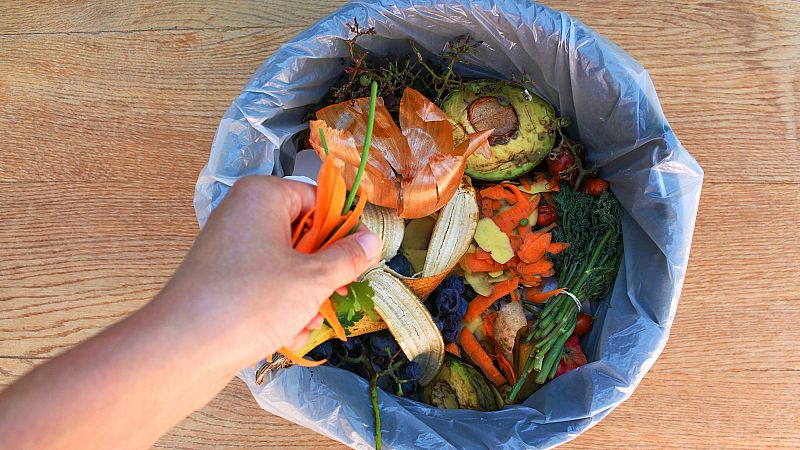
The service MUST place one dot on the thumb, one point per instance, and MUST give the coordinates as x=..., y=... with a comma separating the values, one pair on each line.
x=350, y=256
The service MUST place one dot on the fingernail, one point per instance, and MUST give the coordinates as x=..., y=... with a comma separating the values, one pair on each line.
x=370, y=243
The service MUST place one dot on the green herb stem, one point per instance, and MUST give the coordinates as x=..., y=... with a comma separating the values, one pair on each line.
x=324, y=142
x=373, y=100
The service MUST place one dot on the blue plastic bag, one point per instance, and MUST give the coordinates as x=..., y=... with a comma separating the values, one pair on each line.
x=615, y=112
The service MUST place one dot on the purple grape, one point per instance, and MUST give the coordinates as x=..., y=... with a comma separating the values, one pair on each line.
x=382, y=343
x=451, y=328
x=379, y=363
x=408, y=388
x=401, y=265
x=447, y=301
x=352, y=343
x=439, y=323
x=411, y=371
x=453, y=282
x=386, y=382
x=461, y=309
x=322, y=351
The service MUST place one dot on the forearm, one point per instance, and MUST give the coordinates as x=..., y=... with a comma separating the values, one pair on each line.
x=241, y=293
x=126, y=386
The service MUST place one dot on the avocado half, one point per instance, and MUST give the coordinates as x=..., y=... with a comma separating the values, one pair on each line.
x=522, y=121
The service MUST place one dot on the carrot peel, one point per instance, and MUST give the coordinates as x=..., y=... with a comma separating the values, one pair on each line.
x=473, y=348
x=506, y=367
x=453, y=349
x=327, y=311
x=480, y=303
x=299, y=360
x=542, y=297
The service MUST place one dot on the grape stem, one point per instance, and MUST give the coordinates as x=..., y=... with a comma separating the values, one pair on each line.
x=373, y=391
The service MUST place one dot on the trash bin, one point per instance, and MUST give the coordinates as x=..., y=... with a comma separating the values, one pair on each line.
x=614, y=112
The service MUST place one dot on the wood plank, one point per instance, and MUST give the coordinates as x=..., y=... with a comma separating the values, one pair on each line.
x=12, y=368
x=706, y=400
x=31, y=17
x=702, y=409
x=234, y=419
x=714, y=87
x=78, y=257
x=122, y=106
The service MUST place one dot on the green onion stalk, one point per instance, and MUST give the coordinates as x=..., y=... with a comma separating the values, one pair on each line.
x=373, y=100
x=587, y=269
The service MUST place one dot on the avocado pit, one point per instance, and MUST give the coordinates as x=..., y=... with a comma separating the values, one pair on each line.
x=485, y=113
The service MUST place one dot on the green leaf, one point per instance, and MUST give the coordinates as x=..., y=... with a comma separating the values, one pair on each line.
x=357, y=304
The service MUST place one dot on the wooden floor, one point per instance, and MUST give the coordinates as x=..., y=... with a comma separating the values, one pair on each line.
x=107, y=113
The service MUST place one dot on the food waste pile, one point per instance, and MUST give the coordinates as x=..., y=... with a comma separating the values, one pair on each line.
x=495, y=234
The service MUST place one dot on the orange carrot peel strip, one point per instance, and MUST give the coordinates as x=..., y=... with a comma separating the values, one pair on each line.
x=472, y=263
x=326, y=216
x=509, y=219
x=304, y=222
x=453, y=349
x=488, y=323
x=473, y=348
x=534, y=247
x=543, y=296
x=299, y=360
x=481, y=303
x=506, y=367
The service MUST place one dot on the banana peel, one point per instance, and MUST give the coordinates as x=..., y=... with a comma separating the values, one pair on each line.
x=398, y=299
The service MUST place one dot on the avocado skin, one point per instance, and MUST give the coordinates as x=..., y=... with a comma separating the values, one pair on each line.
x=460, y=385
x=524, y=150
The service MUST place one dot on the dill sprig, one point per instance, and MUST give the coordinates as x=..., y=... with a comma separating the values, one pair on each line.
x=592, y=226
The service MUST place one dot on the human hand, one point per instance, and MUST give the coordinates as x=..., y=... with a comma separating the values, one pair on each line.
x=243, y=282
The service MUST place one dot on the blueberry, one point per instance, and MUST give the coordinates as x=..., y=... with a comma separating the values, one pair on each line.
x=401, y=265
x=379, y=363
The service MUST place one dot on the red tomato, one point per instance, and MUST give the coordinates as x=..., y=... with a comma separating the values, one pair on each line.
x=594, y=186
x=559, y=162
x=547, y=215
x=573, y=356
x=583, y=325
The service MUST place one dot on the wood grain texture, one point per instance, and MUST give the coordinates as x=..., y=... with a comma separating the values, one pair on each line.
x=98, y=98
x=30, y=17
x=99, y=102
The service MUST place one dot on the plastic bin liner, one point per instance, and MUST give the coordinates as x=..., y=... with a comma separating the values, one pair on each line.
x=615, y=112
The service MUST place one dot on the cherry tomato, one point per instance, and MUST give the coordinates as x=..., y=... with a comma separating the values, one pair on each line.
x=583, y=325
x=594, y=186
x=547, y=215
x=560, y=161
